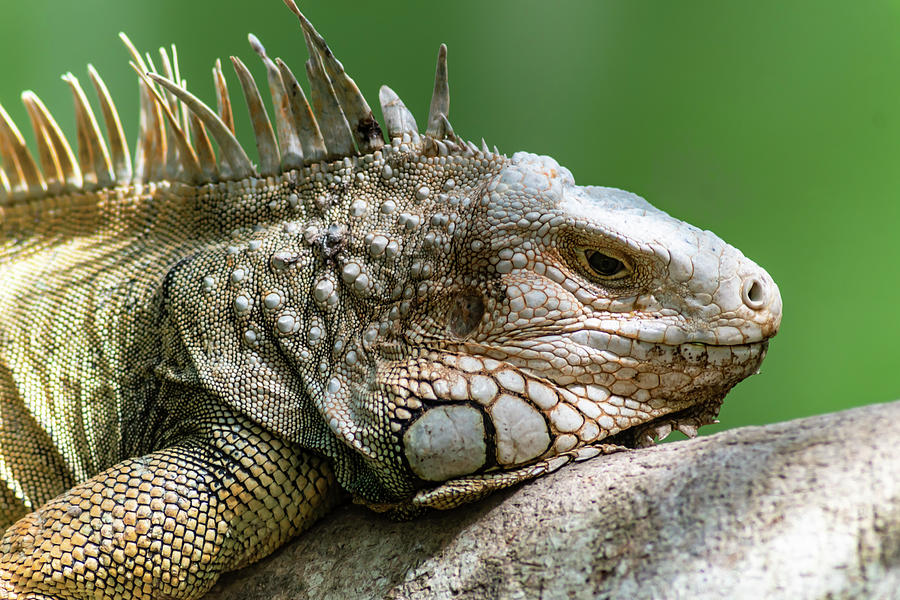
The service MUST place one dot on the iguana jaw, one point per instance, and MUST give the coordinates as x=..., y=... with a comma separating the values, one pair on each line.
x=702, y=405
x=476, y=408
x=692, y=409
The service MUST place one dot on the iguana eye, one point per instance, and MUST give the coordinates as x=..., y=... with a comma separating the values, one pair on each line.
x=604, y=265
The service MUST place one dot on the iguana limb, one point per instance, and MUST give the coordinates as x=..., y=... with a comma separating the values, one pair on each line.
x=168, y=523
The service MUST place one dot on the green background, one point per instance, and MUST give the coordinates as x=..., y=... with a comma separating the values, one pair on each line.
x=775, y=124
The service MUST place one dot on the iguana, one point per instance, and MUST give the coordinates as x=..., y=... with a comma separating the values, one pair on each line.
x=199, y=356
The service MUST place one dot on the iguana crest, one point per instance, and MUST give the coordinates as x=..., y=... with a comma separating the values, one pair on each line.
x=175, y=127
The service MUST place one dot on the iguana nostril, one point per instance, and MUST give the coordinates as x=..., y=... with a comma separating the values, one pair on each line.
x=753, y=293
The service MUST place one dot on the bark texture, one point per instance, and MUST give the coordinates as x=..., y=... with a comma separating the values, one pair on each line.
x=796, y=510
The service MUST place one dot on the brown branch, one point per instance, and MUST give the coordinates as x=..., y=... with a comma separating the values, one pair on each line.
x=802, y=509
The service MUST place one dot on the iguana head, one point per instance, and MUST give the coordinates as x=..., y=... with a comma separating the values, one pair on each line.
x=569, y=316
x=437, y=318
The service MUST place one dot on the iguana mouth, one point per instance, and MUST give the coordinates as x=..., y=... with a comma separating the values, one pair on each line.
x=714, y=369
x=687, y=421
x=616, y=343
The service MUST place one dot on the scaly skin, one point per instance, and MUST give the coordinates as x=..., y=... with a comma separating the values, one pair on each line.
x=192, y=374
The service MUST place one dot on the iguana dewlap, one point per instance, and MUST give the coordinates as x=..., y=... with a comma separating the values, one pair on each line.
x=200, y=356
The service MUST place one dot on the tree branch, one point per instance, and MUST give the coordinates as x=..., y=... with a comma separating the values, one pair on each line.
x=803, y=509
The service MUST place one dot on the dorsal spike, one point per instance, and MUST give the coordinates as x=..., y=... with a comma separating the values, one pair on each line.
x=169, y=73
x=223, y=101
x=232, y=153
x=187, y=159
x=168, y=166
x=85, y=160
x=95, y=157
x=173, y=164
x=205, y=154
x=447, y=129
x=151, y=66
x=397, y=117
x=118, y=145
x=269, y=159
x=4, y=187
x=71, y=172
x=18, y=158
x=440, y=98
x=356, y=110
x=181, y=109
x=288, y=138
x=304, y=121
x=484, y=147
x=332, y=122
x=53, y=174
x=15, y=182
x=150, y=152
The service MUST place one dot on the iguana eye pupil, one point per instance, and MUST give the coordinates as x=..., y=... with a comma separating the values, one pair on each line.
x=603, y=265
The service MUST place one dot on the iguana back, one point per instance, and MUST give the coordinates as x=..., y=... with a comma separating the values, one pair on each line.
x=81, y=326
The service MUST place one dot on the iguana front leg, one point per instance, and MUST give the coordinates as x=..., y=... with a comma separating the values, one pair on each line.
x=169, y=523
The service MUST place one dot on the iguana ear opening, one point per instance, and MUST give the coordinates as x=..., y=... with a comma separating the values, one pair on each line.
x=465, y=314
